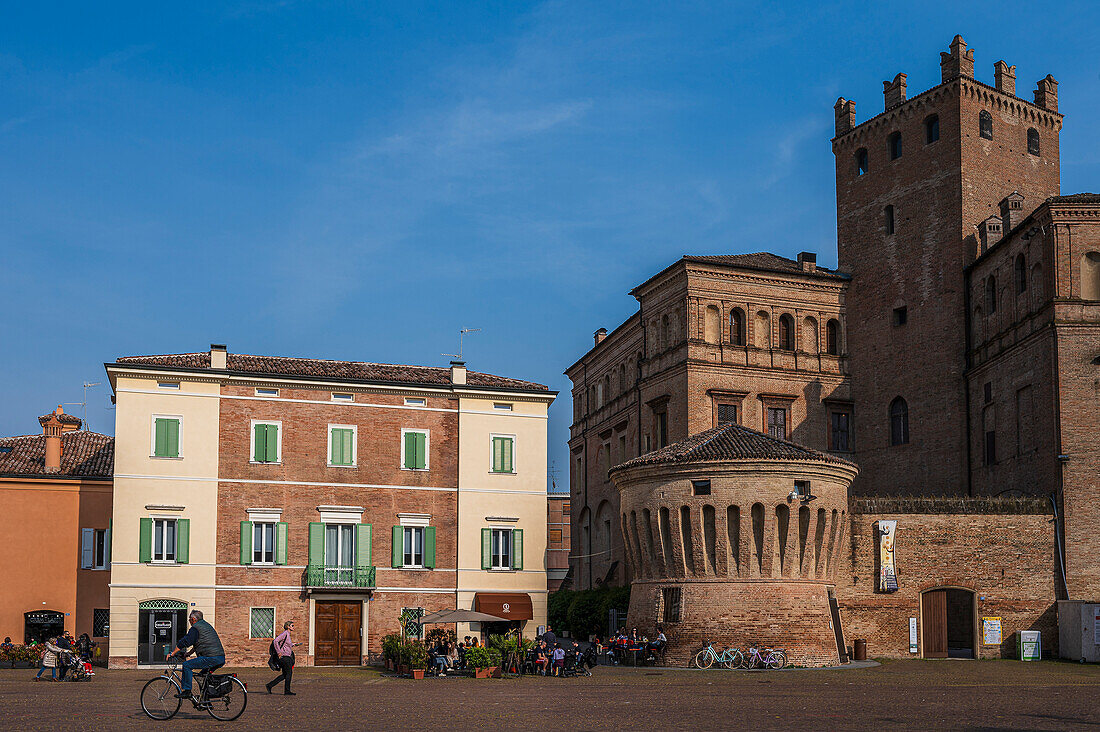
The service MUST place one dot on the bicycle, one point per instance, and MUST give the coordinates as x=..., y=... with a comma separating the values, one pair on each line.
x=159, y=700
x=765, y=658
x=729, y=658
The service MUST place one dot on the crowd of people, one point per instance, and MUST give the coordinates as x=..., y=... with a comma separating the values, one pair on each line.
x=62, y=655
x=623, y=646
x=451, y=657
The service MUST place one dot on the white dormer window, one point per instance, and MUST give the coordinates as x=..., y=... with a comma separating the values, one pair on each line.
x=342, y=396
x=168, y=385
x=414, y=402
x=503, y=406
x=262, y=392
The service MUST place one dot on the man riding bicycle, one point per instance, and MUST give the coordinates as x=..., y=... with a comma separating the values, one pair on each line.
x=204, y=641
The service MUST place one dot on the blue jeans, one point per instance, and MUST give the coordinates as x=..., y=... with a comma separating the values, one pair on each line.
x=199, y=662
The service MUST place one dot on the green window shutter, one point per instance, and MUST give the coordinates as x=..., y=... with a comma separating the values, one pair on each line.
x=272, y=443
x=342, y=453
x=160, y=437
x=172, y=437
x=246, y=542
x=145, y=540
x=507, y=449
x=282, y=529
x=398, y=548
x=429, y=547
x=421, y=441
x=486, y=548
x=410, y=451
x=183, y=541
x=498, y=460
x=316, y=543
x=517, y=549
x=362, y=545
x=259, y=443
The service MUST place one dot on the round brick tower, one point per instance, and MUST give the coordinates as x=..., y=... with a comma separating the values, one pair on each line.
x=734, y=536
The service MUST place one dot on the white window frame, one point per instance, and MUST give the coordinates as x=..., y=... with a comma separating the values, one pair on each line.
x=343, y=397
x=406, y=533
x=168, y=385
x=493, y=556
x=153, y=436
x=274, y=539
x=502, y=406
x=427, y=449
x=153, y=539
x=416, y=402
x=252, y=445
x=354, y=445
x=274, y=625
x=267, y=391
x=515, y=467
x=98, y=534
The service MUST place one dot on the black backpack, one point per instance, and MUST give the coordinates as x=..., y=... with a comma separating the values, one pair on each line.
x=273, y=658
x=219, y=685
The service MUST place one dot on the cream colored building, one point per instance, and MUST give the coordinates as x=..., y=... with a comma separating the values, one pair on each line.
x=502, y=507
x=165, y=508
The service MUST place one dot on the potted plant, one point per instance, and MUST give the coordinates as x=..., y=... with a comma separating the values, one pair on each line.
x=485, y=661
x=391, y=650
x=28, y=656
x=417, y=658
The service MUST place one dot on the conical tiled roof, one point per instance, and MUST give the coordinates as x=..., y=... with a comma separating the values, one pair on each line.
x=731, y=442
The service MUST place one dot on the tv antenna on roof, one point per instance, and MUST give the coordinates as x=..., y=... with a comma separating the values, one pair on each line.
x=84, y=404
x=461, y=334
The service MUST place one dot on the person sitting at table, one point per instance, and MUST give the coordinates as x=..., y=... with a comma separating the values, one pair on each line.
x=452, y=656
x=657, y=645
x=559, y=660
x=542, y=658
x=439, y=658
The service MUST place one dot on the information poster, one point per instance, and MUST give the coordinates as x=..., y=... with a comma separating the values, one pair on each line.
x=887, y=578
x=912, y=635
x=991, y=631
x=1096, y=625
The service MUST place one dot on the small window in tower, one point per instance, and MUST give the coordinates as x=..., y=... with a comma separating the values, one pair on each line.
x=931, y=129
x=893, y=145
x=888, y=219
x=988, y=392
x=985, y=125
x=901, y=315
x=861, y=161
x=700, y=487
x=1033, y=141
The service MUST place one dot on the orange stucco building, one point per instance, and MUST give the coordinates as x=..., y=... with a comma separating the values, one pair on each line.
x=55, y=490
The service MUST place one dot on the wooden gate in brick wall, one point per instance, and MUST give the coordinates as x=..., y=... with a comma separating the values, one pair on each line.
x=338, y=633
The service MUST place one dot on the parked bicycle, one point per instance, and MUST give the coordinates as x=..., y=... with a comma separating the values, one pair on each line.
x=758, y=657
x=224, y=696
x=729, y=658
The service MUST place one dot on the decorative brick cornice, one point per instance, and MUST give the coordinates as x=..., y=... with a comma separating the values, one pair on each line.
x=949, y=505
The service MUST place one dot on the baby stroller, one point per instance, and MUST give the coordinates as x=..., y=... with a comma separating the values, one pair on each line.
x=579, y=664
x=76, y=669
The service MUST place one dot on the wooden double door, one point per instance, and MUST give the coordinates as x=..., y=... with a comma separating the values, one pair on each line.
x=947, y=623
x=338, y=633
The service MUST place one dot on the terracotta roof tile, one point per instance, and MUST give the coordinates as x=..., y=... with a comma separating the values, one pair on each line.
x=319, y=368
x=763, y=261
x=731, y=442
x=1076, y=198
x=63, y=418
x=83, y=455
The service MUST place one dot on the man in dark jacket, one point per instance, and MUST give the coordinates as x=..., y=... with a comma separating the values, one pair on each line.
x=204, y=641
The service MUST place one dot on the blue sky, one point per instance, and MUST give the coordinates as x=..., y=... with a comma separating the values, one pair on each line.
x=362, y=180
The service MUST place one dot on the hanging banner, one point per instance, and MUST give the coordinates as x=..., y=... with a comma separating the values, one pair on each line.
x=887, y=576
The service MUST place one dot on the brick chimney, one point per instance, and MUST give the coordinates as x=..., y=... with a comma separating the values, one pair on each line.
x=894, y=91
x=219, y=356
x=52, y=427
x=1012, y=210
x=845, y=110
x=807, y=261
x=599, y=335
x=1005, y=77
x=458, y=373
x=990, y=231
x=960, y=62
x=1046, y=93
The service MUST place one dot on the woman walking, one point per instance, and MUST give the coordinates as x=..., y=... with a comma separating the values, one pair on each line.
x=285, y=651
x=50, y=659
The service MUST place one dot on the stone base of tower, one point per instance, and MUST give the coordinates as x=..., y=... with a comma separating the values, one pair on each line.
x=780, y=613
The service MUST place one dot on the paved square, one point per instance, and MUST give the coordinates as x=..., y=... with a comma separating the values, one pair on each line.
x=970, y=695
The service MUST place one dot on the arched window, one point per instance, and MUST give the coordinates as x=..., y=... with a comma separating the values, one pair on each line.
x=711, y=324
x=737, y=327
x=832, y=337
x=931, y=129
x=809, y=335
x=991, y=294
x=762, y=330
x=899, y=422
x=893, y=145
x=1020, y=270
x=888, y=219
x=1033, y=141
x=786, y=332
x=861, y=161
x=1090, y=276
x=985, y=125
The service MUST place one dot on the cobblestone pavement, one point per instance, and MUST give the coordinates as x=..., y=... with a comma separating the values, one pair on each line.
x=968, y=695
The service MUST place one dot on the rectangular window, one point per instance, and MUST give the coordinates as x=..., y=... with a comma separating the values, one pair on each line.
x=840, y=437
x=503, y=407
x=671, y=600
x=501, y=554
x=261, y=622
x=565, y=508
x=414, y=402
x=263, y=543
x=100, y=544
x=988, y=392
x=267, y=392
x=777, y=422
x=901, y=315
x=94, y=548
x=164, y=540
x=990, y=448
x=662, y=429
x=727, y=414
x=266, y=442
x=341, y=445
x=339, y=396
x=414, y=449
x=802, y=488
x=414, y=546
x=101, y=622
x=503, y=458
x=700, y=487
x=168, y=385
x=553, y=535
x=339, y=554
x=166, y=437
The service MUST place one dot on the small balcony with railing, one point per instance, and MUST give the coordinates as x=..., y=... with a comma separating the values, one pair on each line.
x=321, y=577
